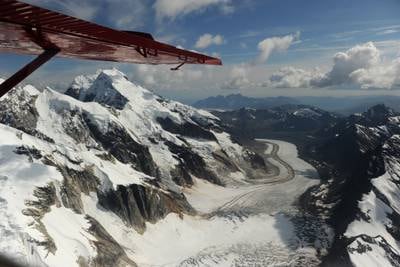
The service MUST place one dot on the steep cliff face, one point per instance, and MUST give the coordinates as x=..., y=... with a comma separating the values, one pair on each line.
x=373, y=236
x=361, y=153
x=107, y=145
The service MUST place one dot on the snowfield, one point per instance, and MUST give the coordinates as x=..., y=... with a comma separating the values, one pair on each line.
x=267, y=236
x=375, y=226
x=176, y=241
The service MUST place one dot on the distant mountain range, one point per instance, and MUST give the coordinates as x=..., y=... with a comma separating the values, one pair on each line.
x=237, y=101
x=344, y=105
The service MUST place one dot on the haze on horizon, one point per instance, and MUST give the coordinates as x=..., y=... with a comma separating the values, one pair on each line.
x=269, y=48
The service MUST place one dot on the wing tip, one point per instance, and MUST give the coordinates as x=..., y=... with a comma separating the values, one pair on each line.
x=214, y=61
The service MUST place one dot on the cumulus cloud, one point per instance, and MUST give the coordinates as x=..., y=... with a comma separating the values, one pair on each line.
x=161, y=77
x=237, y=79
x=362, y=66
x=127, y=14
x=384, y=76
x=275, y=44
x=363, y=56
x=207, y=39
x=173, y=8
x=290, y=77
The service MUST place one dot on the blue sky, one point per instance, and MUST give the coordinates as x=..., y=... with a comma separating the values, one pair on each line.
x=269, y=47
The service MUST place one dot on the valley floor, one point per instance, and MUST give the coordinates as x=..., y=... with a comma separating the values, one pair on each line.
x=257, y=224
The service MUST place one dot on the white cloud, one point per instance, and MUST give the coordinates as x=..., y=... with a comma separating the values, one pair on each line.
x=344, y=63
x=237, y=78
x=125, y=14
x=173, y=8
x=275, y=44
x=362, y=66
x=227, y=8
x=207, y=39
x=81, y=9
x=388, y=31
x=161, y=77
x=289, y=77
x=383, y=76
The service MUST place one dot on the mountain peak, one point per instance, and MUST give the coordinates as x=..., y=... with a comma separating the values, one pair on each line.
x=110, y=87
x=113, y=74
x=380, y=108
x=379, y=113
x=234, y=95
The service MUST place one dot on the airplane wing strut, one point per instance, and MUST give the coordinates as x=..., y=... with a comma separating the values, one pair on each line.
x=20, y=75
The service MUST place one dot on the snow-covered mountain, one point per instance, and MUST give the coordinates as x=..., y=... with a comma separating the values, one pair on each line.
x=361, y=198
x=374, y=236
x=83, y=175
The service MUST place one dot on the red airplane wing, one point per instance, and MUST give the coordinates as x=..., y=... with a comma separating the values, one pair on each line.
x=29, y=29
